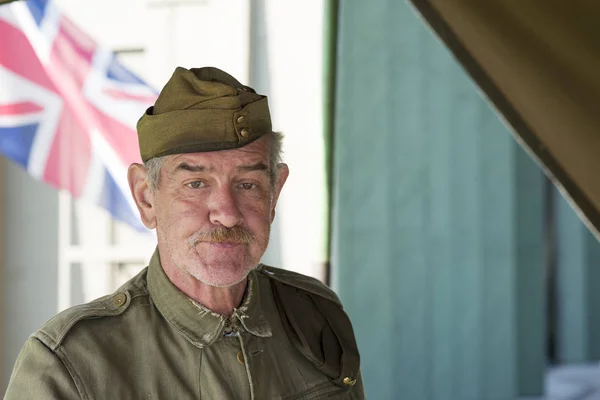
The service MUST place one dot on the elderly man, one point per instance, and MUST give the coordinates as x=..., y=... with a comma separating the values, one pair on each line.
x=205, y=320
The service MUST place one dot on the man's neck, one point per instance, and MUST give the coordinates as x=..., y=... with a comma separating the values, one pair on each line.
x=221, y=300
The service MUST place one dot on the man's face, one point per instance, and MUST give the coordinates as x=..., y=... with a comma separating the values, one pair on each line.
x=213, y=211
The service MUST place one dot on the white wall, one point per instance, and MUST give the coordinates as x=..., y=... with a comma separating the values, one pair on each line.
x=29, y=260
x=294, y=37
x=187, y=33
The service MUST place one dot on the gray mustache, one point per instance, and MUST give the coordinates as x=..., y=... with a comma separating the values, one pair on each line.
x=237, y=234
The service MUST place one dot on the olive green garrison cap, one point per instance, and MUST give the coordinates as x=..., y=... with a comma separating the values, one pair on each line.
x=202, y=109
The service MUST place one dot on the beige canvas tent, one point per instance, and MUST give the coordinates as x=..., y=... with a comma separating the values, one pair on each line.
x=539, y=63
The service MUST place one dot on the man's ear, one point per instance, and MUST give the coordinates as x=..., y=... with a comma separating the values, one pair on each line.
x=283, y=172
x=143, y=196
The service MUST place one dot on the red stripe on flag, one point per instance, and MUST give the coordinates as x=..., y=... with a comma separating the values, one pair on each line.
x=121, y=95
x=122, y=139
x=17, y=55
x=72, y=56
x=81, y=39
x=19, y=108
x=69, y=158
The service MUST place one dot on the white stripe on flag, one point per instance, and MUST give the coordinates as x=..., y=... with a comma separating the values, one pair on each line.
x=114, y=165
x=13, y=121
x=7, y=15
x=126, y=112
x=16, y=88
x=41, y=41
x=50, y=24
x=94, y=183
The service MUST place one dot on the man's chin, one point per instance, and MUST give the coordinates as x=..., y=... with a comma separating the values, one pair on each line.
x=220, y=277
x=224, y=283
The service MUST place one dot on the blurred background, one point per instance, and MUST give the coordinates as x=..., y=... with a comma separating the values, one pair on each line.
x=464, y=271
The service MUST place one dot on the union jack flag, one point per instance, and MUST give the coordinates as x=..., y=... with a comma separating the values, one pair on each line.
x=68, y=108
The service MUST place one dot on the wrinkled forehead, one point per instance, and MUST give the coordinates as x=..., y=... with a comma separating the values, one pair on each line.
x=254, y=154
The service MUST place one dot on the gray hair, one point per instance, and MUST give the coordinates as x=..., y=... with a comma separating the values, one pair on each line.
x=154, y=165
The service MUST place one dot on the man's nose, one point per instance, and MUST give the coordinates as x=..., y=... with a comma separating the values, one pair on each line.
x=223, y=207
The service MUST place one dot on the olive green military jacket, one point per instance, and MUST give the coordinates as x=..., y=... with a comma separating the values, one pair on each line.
x=150, y=341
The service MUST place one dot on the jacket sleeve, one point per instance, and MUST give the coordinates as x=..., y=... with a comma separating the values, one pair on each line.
x=358, y=391
x=40, y=374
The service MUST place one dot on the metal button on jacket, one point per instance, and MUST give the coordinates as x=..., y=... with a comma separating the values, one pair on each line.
x=349, y=381
x=240, y=357
x=119, y=299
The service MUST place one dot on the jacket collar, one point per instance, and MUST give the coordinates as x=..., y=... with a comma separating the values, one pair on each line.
x=196, y=323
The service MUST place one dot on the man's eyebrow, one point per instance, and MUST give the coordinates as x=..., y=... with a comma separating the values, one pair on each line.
x=190, y=168
x=259, y=166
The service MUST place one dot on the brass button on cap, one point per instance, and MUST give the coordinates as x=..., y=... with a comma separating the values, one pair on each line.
x=240, y=357
x=244, y=132
x=119, y=299
x=240, y=119
x=349, y=381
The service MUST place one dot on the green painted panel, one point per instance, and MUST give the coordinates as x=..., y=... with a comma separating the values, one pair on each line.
x=577, y=287
x=437, y=246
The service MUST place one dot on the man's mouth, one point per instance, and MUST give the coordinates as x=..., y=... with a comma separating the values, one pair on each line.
x=224, y=245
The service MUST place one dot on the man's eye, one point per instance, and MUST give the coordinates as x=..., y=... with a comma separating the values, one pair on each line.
x=247, y=186
x=195, y=184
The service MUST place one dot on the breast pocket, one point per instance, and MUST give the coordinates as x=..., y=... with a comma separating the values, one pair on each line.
x=325, y=390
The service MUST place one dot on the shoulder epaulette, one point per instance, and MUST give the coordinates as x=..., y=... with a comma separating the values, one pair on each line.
x=300, y=281
x=53, y=332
